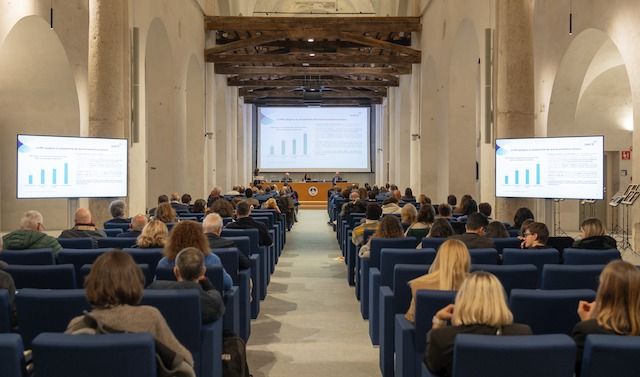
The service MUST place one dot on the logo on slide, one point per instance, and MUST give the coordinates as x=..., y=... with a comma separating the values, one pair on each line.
x=313, y=191
x=500, y=151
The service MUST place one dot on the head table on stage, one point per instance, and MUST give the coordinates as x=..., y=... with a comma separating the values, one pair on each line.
x=313, y=194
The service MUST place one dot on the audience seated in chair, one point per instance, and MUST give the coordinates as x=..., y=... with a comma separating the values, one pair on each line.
x=408, y=195
x=592, y=236
x=480, y=308
x=496, y=229
x=138, y=223
x=6, y=282
x=421, y=227
x=245, y=221
x=371, y=221
x=117, y=208
x=212, y=227
x=161, y=199
x=440, y=229
x=615, y=311
x=199, y=206
x=189, y=271
x=535, y=236
x=408, y=215
x=447, y=272
x=444, y=211
x=166, y=213
x=354, y=205
x=248, y=193
x=222, y=207
x=154, y=235
x=84, y=226
x=485, y=209
x=216, y=193
x=30, y=235
x=176, y=203
x=522, y=214
x=189, y=234
x=474, y=236
x=389, y=227
x=390, y=206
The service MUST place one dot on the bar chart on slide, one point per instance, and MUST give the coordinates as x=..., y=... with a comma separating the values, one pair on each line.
x=50, y=176
x=531, y=176
x=289, y=147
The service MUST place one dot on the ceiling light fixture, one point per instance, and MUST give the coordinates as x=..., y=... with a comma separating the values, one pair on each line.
x=305, y=64
x=312, y=54
x=310, y=40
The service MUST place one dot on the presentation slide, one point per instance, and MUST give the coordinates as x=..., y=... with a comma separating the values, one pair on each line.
x=313, y=139
x=554, y=167
x=71, y=167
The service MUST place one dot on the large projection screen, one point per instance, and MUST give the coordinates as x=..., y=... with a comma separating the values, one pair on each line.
x=71, y=167
x=313, y=139
x=553, y=168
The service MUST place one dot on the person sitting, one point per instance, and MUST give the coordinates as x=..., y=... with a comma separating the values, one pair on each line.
x=354, y=205
x=398, y=195
x=135, y=229
x=307, y=177
x=271, y=204
x=383, y=194
x=245, y=221
x=496, y=229
x=408, y=195
x=222, y=207
x=30, y=235
x=166, y=213
x=389, y=227
x=199, y=206
x=593, y=237
x=390, y=206
x=287, y=178
x=186, y=200
x=6, y=282
x=447, y=272
x=420, y=228
x=216, y=193
x=485, y=209
x=154, y=235
x=212, y=227
x=114, y=288
x=248, y=193
x=161, y=199
x=480, y=308
x=474, y=232
x=408, y=215
x=117, y=208
x=535, y=237
x=371, y=222
x=84, y=226
x=189, y=234
x=176, y=203
x=522, y=214
x=441, y=228
x=189, y=271
x=444, y=211
x=423, y=199
x=452, y=201
x=336, y=178
x=616, y=310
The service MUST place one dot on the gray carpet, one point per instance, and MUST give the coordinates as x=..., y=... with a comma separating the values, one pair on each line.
x=310, y=323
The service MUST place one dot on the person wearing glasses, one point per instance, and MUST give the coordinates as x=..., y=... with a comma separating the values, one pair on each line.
x=31, y=235
x=473, y=236
x=535, y=236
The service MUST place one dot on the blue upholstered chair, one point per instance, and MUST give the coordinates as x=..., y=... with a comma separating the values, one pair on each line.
x=523, y=276
x=79, y=257
x=5, y=312
x=562, y=276
x=60, y=276
x=433, y=243
x=261, y=251
x=537, y=257
x=85, y=269
x=124, y=226
x=181, y=310
x=229, y=258
x=585, y=256
x=548, y=312
x=609, y=355
x=28, y=256
x=123, y=355
x=43, y=310
x=243, y=243
x=116, y=242
x=214, y=273
x=484, y=256
x=77, y=243
x=11, y=355
x=504, y=243
x=150, y=257
x=508, y=356
x=112, y=232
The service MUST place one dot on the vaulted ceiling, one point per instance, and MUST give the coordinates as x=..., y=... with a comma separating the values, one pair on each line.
x=319, y=60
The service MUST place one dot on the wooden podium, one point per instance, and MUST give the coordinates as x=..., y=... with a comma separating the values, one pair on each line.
x=313, y=194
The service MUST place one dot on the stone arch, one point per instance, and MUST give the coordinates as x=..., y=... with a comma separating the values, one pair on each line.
x=195, y=129
x=160, y=107
x=38, y=95
x=464, y=101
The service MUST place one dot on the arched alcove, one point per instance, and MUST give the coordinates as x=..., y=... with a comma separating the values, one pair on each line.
x=195, y=183
x=464, y=83
x=37, y=96
x=161, y=121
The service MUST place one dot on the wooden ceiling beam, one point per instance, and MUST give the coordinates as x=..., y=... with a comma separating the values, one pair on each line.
x=317, y=59
x=245, y=43
x=230, y=69
x=372, y=42
x=333, y=92
x=237, y=81
x=322, y=102
x=355, y=24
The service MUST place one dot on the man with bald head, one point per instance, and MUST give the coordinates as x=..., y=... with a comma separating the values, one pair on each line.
x=212, y=227
x=84, y=226
x=135, y=229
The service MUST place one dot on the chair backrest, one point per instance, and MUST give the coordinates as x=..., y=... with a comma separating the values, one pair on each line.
x=79, y=257
x=85, y=269
x=560, y=242
x=28, y=256
x=428, y=303
x=42, y=310
x=123, y=355
x=433, y=243
x=60, y=276
x=562, y=276
x=229, y=258
x=5, y=312
x=11, y=355
x=116, y=242
x=77, y=243
x=181, y=309
x=586, y=256
x=607, y=355
x=484, y=256
x=458, y=227
x=389, y=258
x=214, y=274
x=537, y=257
x=402, y=275
x=253, y=234
x=513, y=232
x=243, y=243
x=508, y=356
x=123, y=226
x=503, y=243
x=548, y=312
x=112, y=232
x=378, y=244
x=522, y=276
x=150, y=257
x=367, y=234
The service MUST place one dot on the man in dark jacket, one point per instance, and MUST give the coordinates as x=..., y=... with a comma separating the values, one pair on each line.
x=212, y=227
x=189, y=271
x=244, y=221
x=84, y=226
x=30, y=235
x=135, y=229
x=474, y=235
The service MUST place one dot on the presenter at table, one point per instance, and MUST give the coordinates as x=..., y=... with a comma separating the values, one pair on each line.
x=336, y=178
x=306, y=178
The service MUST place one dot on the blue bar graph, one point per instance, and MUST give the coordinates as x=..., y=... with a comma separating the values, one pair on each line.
x=537, y=174
x=42, y=176
x=517, y=177
x=304, y=144
x=283, y=149
x=272, y=150
x=293, y=146
x=53, y=177
x=30, y=179
x=526, y=176
x=66, y=173
x=506, y=179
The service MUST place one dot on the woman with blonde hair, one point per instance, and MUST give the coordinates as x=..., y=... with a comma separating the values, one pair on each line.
x=592, y=236
x=408, y=215
x=166, y=213
x=271, y=204
x=447, y=272
x=616, y=310
x=154, y=235
x=480, y=308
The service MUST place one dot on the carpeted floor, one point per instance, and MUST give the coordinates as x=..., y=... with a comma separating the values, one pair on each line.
x=310, y=323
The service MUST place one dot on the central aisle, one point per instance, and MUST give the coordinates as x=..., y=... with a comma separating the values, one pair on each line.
x=310, y=323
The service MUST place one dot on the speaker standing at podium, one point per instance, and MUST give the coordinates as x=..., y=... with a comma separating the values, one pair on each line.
x=336, y=178
x=257, y=178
